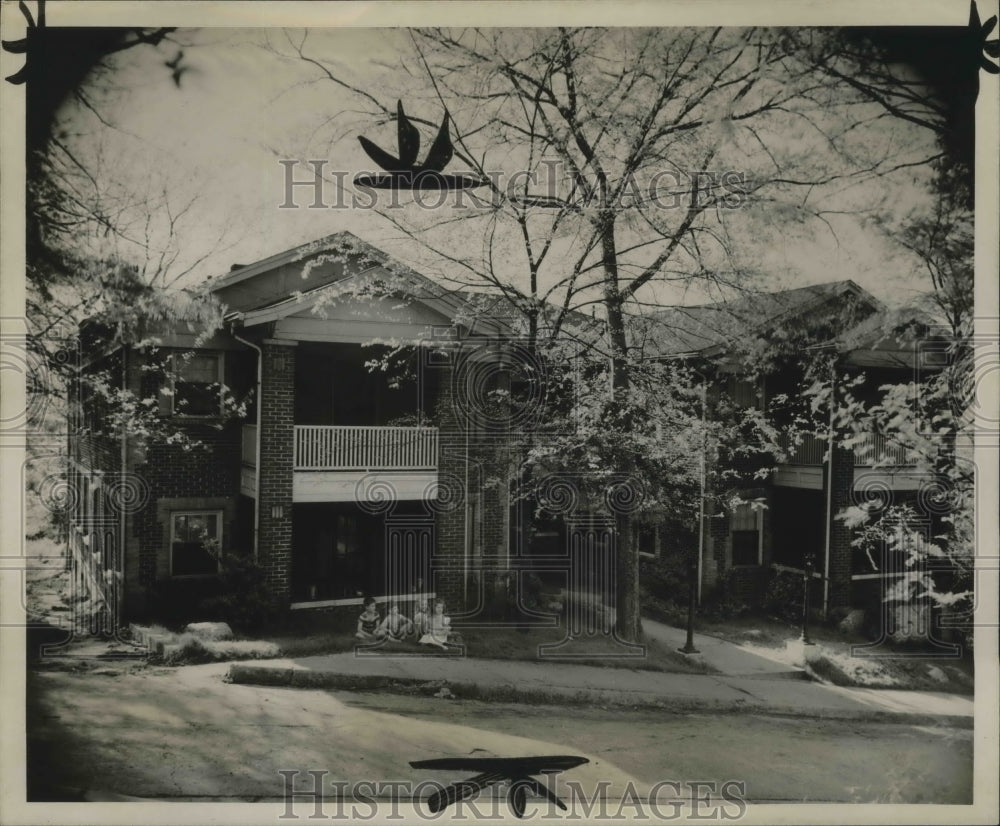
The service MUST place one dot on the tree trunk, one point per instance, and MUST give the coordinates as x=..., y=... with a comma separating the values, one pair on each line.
x=627, y=607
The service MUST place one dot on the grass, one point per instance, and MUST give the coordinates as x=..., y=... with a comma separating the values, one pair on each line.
x=506, y=643
x=601, y=650
x=836, y=658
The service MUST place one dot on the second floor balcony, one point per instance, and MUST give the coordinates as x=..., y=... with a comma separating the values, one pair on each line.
x=341, y=463
x=365, y=448
x=873, y=450
x=875, y=457
x=355, y=448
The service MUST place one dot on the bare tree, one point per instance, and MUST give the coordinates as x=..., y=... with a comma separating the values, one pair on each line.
x=622, y=164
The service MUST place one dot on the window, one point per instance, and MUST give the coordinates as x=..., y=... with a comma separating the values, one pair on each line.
x=190, y=533
x=197, y=384
x=744, y=527
x=743, y=393
x=647, y=539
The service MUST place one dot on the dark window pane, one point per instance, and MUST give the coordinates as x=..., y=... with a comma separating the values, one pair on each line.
x=745, y=544
x=197, y=391
x=191, y=533
x=191, y=558
x=191, y=399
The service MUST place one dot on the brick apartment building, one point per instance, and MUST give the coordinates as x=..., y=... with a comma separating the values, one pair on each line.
x=341, y=481
x=344, y=481
x=793, y=512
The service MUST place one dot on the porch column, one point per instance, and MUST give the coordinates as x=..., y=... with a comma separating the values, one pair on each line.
x=274, y=497
x=838, y=484
x=448, y=559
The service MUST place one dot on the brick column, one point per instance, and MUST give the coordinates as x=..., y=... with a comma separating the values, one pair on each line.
x=840, y=535
x=448, y=559
x=277, y=406
x=716, y=552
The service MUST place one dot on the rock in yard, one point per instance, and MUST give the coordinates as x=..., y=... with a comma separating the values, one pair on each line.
x=210, y=630
x=853, y=622
x=936, y=674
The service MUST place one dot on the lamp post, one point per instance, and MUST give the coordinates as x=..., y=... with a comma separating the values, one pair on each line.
x=692, y=599
x=695, y=561
x=701, y=488
x=806, y=577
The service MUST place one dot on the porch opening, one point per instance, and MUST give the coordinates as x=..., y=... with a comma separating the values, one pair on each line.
x=340, y=551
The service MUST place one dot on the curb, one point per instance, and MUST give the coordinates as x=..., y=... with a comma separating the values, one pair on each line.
x=272, y=676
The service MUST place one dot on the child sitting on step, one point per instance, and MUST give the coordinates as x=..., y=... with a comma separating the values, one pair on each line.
x=369, y=622
x=440, y=627
x=395, y=626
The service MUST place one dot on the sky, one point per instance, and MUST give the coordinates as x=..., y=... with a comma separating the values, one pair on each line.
x=211, y=147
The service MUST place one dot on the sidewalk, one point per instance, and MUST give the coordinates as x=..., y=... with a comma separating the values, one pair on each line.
x=724, y=657
x=747, y=683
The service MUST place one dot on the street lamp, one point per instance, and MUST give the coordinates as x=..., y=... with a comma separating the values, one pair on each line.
x=695, y=561
x=692, y=598
x=806, y=577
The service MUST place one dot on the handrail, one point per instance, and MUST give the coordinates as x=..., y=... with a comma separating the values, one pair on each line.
x=869, y=450
x=348, y=447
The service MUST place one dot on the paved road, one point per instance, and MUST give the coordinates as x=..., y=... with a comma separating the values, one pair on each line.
x=185, y=734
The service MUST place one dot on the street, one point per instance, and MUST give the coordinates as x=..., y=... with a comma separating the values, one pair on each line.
x=184, y=734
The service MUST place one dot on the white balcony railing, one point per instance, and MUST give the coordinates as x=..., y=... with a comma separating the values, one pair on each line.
x=365, y=448
x=871, y=449
x=876, y=448
x=810, y=451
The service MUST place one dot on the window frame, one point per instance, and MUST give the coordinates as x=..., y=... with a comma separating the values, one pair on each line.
x=172, y=515
x=175, y=374
x=657, y=551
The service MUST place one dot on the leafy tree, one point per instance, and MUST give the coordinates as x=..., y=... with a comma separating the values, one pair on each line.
x=97, y=246
x=930, y=79
x=651, y=139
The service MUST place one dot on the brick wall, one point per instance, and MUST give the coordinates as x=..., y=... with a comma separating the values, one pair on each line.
x=448, y=555
x=205, y=477
x=747, y=584
x=717, y=554
x=277, y=399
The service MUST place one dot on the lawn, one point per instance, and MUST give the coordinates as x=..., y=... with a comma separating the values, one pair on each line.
x=847, y=659
x=499, y=643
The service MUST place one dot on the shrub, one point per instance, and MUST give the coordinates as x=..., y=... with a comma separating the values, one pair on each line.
x=191, y=652
x=783, y=596
x=664, y=577
x=532, y=589
x=724, y=603
x=177, y=601
x=245, y=600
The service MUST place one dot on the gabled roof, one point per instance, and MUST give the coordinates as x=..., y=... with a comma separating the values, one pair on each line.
x=908, y=337
x=300, y=278
x=241, y=272
x=710, y=329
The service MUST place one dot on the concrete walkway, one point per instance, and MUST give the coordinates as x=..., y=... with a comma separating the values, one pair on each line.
x=747, y=682
x=722, y=656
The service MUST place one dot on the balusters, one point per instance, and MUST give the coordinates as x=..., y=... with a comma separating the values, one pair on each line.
x=365, y=448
